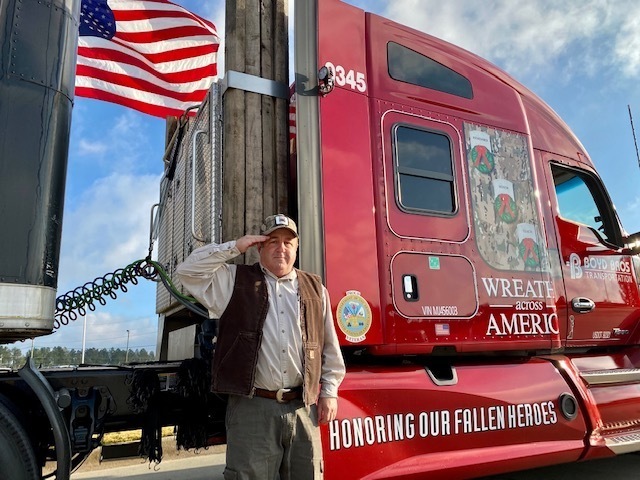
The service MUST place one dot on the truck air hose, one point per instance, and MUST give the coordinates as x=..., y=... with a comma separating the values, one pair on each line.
x=74, y=304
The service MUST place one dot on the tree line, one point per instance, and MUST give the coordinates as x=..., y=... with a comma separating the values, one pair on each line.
x=57, y=356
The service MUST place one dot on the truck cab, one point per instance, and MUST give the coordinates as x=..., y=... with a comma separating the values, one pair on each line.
x=475, y=220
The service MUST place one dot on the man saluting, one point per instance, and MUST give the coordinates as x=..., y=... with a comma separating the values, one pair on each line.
x=277, y=355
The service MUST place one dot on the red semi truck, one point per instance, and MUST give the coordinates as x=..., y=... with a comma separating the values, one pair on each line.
x=484, y=290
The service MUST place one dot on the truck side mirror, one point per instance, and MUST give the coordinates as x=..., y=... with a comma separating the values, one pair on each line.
x=632, y=244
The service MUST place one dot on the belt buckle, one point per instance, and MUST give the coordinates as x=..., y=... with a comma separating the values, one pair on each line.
x=280, y=395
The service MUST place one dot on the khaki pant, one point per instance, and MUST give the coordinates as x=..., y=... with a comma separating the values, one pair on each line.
x=267, y=440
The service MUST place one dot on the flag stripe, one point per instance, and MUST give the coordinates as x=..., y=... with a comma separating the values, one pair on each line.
x=159, y=59
x=154, y=5
x=137, y=15
x=159, y=35
x=191, y=94
x=155, y=99
x=194, y=68
x=160, y=24
x=127, y=7
x=164, y=110
x=172, y=50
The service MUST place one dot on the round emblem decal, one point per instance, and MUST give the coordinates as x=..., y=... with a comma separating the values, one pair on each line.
x=354, y=316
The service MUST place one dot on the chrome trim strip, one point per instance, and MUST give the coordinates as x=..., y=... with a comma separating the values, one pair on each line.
x=601, y=377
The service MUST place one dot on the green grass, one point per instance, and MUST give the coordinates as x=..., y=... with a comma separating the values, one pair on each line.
x=131, y=436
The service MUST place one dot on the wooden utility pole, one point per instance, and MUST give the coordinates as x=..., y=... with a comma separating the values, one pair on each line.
x=255, y=131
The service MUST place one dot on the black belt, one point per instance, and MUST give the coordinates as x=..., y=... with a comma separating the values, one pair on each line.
x=283, y=395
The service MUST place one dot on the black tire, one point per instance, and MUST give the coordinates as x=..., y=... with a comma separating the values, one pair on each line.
x=17, y=460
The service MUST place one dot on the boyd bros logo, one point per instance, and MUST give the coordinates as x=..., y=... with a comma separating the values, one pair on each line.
x=615, y=269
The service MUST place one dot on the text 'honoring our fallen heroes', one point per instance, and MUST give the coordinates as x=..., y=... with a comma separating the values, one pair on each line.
x=410, y=426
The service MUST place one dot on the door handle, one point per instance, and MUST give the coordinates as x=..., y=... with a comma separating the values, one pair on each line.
x=582, y=305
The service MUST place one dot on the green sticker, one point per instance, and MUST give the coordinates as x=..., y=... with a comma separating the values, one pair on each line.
x=434, y=263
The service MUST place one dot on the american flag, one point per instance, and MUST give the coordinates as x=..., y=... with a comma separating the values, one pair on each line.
x=442, y=329
x=149, y=55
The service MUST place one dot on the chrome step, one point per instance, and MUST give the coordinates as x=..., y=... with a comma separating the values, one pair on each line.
x=623, y=443
x=603, y=377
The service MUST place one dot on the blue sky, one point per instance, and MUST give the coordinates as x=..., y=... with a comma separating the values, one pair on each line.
x=580, y=56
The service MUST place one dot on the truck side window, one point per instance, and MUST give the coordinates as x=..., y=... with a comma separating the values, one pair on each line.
x=581, y=200
x=412, y=67
x=424, y=170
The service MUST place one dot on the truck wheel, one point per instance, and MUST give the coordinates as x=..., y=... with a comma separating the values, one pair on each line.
x=17, y=460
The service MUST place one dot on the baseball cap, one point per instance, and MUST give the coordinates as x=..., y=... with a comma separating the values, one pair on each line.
x=274, y=222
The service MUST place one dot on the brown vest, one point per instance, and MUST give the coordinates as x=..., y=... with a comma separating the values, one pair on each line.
x=240, y=333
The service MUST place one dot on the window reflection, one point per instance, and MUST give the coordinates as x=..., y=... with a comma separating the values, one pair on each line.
x=576, y=202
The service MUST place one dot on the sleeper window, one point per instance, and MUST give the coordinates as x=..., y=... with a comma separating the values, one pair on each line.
x=424, y=171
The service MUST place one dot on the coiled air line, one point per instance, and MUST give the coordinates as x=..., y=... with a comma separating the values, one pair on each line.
x=75, y=303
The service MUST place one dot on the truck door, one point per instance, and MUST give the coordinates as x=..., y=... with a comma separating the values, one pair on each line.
x=600, y=285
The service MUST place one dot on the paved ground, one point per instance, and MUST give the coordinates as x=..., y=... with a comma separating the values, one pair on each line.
x=209, y=464
x=170, y=453
x=198, y=467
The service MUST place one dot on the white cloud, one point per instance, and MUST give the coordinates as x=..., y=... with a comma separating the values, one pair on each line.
x=579, y=37
x=130, y=138
x=627, y=48
x=91, y=148
x=108, y=228
x=215, y=11
x=121, y=143
x=104, y=327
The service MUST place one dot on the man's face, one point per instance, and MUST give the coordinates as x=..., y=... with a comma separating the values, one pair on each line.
x=278, y=254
